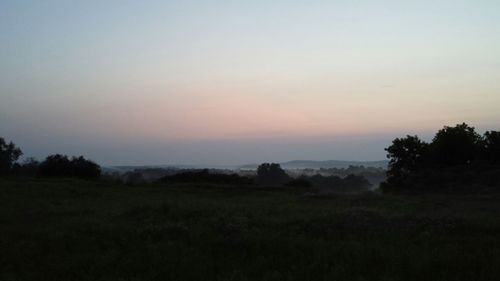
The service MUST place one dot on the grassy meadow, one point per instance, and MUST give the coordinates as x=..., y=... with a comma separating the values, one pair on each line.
x=84, y=230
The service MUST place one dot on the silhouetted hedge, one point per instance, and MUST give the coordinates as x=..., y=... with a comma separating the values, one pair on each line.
x=299, y=182
x=61, y=166
x=350, y=183
x=204, y=176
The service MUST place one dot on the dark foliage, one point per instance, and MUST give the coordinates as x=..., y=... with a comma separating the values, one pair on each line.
x=133, y=178
x=56, y=166
x=79, y=231
x=406, y=155
x=374, y=175
x=299, y=182
x=349, y=183
x=325, y=182
x=61, y=166
x=204, y=176
x=272, y=174
x=459, y=145
x=28, y=168
x=491, y=145
x=355, y=182
x=458, y=158
x=9, y=153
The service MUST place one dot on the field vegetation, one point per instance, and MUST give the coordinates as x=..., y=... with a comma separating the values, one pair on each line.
x=435, y=218
x=71, y=229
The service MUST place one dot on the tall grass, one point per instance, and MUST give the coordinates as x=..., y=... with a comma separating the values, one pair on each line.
x=77, y=230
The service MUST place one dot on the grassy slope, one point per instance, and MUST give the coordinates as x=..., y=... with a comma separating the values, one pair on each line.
x=74, y=230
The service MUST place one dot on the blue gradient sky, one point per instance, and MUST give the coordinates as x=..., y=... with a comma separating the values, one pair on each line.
x=226, y=82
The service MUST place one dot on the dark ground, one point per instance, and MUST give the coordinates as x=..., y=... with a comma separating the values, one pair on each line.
x=77, y=230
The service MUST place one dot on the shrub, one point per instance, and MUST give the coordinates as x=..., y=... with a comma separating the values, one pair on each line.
x=61, y=166
x=271, y=174
x=9, y=153
x=204, y=176
x=299, y=182
x=28, y=168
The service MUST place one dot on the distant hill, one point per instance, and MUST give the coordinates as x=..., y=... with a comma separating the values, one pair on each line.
x=311, y=164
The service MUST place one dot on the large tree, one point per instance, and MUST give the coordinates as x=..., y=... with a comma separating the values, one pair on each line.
x=457, y=157
x=406, y=156
x=9, y=153
x=459, y=145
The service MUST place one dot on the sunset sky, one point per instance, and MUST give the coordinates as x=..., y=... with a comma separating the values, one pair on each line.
x=234, y=82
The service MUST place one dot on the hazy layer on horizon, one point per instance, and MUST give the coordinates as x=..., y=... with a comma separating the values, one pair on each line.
x=234, y=82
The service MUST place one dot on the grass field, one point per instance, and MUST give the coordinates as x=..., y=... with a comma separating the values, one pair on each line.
x=77, y=230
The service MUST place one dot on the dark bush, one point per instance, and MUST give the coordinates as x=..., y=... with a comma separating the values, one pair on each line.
x=28, y=168
x=83, y=168
x=326, y=181
x=334, y=183
x=9, y=153
x=204, y=176
x=55, y=166
x=61, y=166
x=299, y=182
x=356, y=183
x=491, y=144
x=271, y=174
x=133, y=178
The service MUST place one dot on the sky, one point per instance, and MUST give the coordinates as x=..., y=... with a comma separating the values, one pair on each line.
x=234, y=82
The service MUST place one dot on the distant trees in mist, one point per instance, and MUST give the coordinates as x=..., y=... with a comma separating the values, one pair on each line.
x=267, y=174
x=205, y=176
x=271, y=174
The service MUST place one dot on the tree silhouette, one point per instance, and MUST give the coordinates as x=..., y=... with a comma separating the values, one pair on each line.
x=491, y=144
x=83, y=168
x=55, y=166
x=61, y=166
x=457, y=158
x=29, y=167
x=271, y=173
x=457, y=145
x=405, y=155
x=9, y=153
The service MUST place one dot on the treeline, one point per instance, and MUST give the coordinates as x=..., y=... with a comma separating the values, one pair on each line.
x=267, y=174
x=204, y=176
x=457, y=158
x=375, y=175
x=350, y=183
x=54, y=166
x=271, y=174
